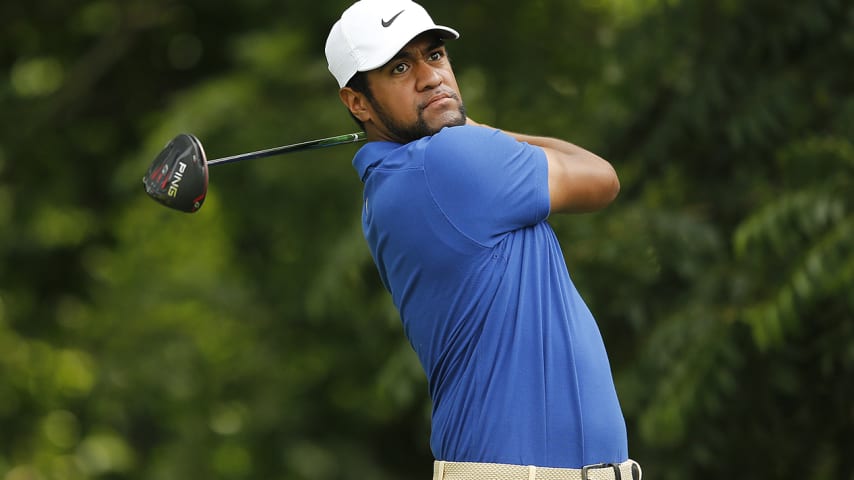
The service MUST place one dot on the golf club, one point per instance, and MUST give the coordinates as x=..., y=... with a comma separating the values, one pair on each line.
x=178, y=176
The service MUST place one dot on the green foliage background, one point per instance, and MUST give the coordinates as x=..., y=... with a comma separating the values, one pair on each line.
x=252, y=340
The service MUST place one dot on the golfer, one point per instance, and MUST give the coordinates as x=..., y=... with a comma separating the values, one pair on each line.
x=455, y=214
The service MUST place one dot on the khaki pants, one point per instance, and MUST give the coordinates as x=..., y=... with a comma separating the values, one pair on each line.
x=628, y=470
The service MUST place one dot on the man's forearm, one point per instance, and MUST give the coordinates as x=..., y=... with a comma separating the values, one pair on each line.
x=549, y=142
x=539, y=141
x=579, y=180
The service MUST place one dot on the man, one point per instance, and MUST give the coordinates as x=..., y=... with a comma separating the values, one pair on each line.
x=455, y=217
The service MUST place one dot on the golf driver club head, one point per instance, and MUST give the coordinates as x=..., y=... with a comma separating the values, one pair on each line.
x=178, y=177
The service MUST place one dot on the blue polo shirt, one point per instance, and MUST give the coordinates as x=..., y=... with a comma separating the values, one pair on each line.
x=516, y=366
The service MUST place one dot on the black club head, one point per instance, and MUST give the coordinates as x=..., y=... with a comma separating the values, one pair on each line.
x=178, y=177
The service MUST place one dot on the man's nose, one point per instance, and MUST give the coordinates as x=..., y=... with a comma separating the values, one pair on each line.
x=427, y=76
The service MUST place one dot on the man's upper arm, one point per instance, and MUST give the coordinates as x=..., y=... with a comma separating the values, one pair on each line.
x=486, y=182
x=579, y=181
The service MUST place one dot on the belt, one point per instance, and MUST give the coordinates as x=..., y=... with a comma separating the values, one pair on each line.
x=628, y=470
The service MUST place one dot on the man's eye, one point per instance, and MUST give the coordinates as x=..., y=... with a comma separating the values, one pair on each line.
x=436, y=55
x=400, y=68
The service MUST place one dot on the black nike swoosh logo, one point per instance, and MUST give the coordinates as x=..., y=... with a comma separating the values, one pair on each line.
x=388, y=23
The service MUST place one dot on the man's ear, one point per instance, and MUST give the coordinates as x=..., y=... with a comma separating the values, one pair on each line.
x=356, y=102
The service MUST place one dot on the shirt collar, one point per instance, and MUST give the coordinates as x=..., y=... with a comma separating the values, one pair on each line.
x=371, y=155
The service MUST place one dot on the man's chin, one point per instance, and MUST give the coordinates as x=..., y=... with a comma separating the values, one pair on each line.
x=425, y=126
x=449, y=119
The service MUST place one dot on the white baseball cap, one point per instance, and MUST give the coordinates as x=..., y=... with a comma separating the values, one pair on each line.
x=371, y=32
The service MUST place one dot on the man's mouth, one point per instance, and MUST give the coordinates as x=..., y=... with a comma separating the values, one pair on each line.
x=437, y=99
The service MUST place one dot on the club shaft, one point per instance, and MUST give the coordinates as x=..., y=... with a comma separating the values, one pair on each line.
x=297, y=147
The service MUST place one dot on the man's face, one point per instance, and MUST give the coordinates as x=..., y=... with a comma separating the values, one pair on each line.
x=415, y=94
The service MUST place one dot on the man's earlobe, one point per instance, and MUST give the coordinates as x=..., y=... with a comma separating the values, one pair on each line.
x=355, y=102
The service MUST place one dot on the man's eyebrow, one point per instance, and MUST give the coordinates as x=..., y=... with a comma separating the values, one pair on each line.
x=399, y=56
x=438, y=42
x=403, y=54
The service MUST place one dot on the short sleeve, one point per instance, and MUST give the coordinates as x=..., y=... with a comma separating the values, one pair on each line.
x=485, y=182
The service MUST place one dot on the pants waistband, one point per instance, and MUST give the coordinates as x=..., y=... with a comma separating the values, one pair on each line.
x=442, y=470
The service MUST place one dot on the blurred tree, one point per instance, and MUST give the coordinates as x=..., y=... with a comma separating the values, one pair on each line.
x=738, y=168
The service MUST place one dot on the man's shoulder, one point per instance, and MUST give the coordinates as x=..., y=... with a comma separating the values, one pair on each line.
x=463, y=134
x=467, y=141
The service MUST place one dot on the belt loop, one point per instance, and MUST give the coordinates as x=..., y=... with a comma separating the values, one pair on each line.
x=532, y=472
x=637, y=473
x=615, y=468
x=438, y=470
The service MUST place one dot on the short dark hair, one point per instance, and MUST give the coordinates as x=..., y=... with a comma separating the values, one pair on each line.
x=359, y=83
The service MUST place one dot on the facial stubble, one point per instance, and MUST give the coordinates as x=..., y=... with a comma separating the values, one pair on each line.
x=419, y=128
